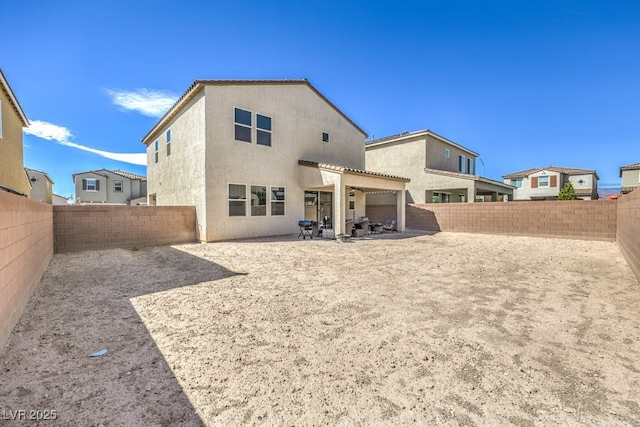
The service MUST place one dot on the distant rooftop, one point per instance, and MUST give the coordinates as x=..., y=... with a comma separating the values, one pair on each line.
x=407, y=135
x=559, y=169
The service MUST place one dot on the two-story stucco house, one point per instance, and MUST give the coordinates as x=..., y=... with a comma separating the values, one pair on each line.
x=41, y=186
x=110, y=187
x=13, y=177
x=440, y=170
x=257, y=156
x=630, y=176
x=546, y=183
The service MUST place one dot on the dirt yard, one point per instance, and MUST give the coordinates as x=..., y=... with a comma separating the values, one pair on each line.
x=445, y=329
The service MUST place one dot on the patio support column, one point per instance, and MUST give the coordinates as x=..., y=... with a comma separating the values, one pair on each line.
x=339, y=206
x=401, y=202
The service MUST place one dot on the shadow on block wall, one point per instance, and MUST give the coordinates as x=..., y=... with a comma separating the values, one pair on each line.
x=421, y=218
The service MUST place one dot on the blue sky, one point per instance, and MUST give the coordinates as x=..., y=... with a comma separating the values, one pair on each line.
x=524, y=83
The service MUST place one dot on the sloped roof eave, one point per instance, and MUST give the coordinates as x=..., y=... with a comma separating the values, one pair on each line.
x=198, y=85
x=344, y=169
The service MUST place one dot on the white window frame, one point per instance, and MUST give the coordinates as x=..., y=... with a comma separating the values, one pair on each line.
x=236, y=200
x=168, y=136
x=283, y=201
x=447, y=153
x=270, y=131
x=517, y=182
x=546, y=178
x=155, y=152
x=94, y=185
x=250, y=126
x=266, y=188
x=115, y=186
x=462, y=163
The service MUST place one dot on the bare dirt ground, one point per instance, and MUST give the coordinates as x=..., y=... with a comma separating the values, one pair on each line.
x=446, y=329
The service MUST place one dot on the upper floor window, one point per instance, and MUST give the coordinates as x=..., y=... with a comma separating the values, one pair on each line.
x=277, y=201
x=447, y=153
x=243, y=125
x=263, y=125
x=155, y=146
x=0, y=119
x=117, y=186
x=517, y=182
x=462, y=164
x=470, y=166
x=325, y=137
x=543, y=181
x=90, y=184
x=169, y=142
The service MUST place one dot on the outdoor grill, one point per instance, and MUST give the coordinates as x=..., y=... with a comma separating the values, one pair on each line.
x=306, y=228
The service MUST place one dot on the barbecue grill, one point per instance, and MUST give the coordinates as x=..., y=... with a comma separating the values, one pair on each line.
x=306, y=228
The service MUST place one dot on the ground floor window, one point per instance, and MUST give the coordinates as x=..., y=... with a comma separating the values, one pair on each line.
x=258, y=200
x=277, y=201
x=441, y=198
x=237, y=200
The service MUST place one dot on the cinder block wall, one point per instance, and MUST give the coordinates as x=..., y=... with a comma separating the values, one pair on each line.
x=575, y=219
x=80, y=228
x=26, y=247
x=628, y=229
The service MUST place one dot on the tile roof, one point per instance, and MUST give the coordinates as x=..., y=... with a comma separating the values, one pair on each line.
x=583, y=192
x=350, y=170
x=563, y=170
x=467, y=176
x=129, y=175
x=199, y=84
x=630, y=167
x=116, y=172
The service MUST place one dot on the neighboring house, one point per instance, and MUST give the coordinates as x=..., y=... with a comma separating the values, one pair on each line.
x=41, y=186
x=440, y=170
x=59, y=200
x=546, y=183
x=110, y=187
x=12, y=119
x=257, y=156
x=630, y=176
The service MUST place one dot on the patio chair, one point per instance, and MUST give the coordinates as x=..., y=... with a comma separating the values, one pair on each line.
x=364, y=224
x=389, y=225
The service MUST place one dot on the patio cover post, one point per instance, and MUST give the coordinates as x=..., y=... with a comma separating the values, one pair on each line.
x=401, y=200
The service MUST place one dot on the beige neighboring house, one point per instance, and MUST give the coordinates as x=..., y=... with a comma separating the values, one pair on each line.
x=630, y=176
x=13, y=177
x=59, y=200
x=546, y=183
x=440, y=170
x=41, y=186
x=109, y=187
x=257, y=156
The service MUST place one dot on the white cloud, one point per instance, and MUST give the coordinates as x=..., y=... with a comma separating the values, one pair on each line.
x=152, y=103
x=61, y=135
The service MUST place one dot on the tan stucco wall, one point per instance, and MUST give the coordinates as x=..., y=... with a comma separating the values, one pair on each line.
x=209, y=153
x=409, y=159
x=526, y=192
x=179, y=179
x=12, y=174
x=26, y=247
x=41, y=188
x=436, y=158
x=630, y=177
